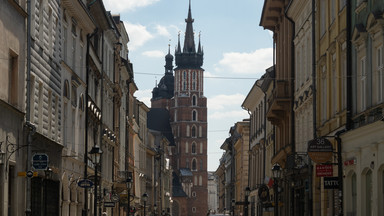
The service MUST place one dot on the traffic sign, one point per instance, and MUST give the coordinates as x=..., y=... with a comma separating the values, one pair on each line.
x=40, y=161
x=85, y=183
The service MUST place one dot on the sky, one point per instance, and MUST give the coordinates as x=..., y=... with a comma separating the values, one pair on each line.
x=236, y=53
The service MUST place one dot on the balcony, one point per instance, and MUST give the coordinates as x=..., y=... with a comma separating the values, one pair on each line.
x=279, y=102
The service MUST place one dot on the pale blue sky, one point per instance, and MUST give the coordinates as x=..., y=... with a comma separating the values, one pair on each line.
x=235, y=46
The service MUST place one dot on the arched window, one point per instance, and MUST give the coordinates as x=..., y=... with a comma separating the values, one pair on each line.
x=194, y=166
x=194, y=100
x=368, y=193
x=193, y=131
x=187, y=162
x=194, y=115
x=193, y=148
x=66, y=89
x=81, y=102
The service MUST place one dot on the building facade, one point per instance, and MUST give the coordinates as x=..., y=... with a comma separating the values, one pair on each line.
x=13, y=60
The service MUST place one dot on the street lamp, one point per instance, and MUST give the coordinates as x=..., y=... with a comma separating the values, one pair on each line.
x=129, y=186
x=276, y=171
x=247, y=192
x=144, y=197
x=95, y=156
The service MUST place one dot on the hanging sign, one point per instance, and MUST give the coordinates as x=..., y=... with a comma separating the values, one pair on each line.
x=324, y=170
x=320, y=150
x=331, y=183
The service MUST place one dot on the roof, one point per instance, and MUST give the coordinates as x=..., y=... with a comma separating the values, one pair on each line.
x=185, y=172
x=177, y=189
x=158, y=119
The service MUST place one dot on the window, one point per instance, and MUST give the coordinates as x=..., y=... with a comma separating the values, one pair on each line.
x=66, y=89
x=32, y=101
x=49, y=112
x=363, y=83
x=81, y=102
x=334, y=82
x=193, y=131
x=194, y=194
x=380, y=74
x=201, y=164
x=13, y=78
x=65, y=43
x=324, y=95
x=194, y=80
x=194, y=115
x=333, y=10
x=344, y=81
x=200, y=181
x=187, y=162
x=368, y=193
x=73, y=52
x=40, y=107
x=322, y=17
x=186, y=147
x=193, y=148
x=194, y=100
x=194, y=165
x=193, y=209
x=342, y=3
x=74, y=95
x=354, y=194
x=201, y=148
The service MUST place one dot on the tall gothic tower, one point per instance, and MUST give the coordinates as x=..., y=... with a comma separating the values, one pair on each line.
x=187, y=105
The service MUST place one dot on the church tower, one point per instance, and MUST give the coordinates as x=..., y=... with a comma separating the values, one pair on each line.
x=189, y=125
x=182, y=94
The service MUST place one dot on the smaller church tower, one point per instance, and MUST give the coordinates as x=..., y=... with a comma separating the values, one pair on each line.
x=164, y=91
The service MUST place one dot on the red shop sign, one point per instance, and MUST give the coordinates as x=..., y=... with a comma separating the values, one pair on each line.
x=324, y=170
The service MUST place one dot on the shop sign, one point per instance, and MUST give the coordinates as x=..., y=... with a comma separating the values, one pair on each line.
x=85, y=183
x=109, y=204
x=350, y=162
x=331, y=183
x=324, y=170
x=320, y=150
x=263, y=193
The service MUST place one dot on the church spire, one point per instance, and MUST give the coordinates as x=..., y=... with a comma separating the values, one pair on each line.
x=189, y=41
x=199, y=46
x=187, y=57
x=168, y=60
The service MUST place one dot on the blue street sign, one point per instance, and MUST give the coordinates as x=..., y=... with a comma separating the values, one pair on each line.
x=40, y=161
x=85, y=183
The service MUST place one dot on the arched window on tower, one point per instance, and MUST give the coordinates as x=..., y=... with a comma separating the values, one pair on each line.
x=193, y=131
x=193, y=148
x=194, y=115
x=194, y=99
x=194, y=165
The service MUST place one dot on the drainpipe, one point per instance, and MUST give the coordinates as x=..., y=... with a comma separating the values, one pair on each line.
x=349, y=67
x=314, y=105
x=30, y=127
